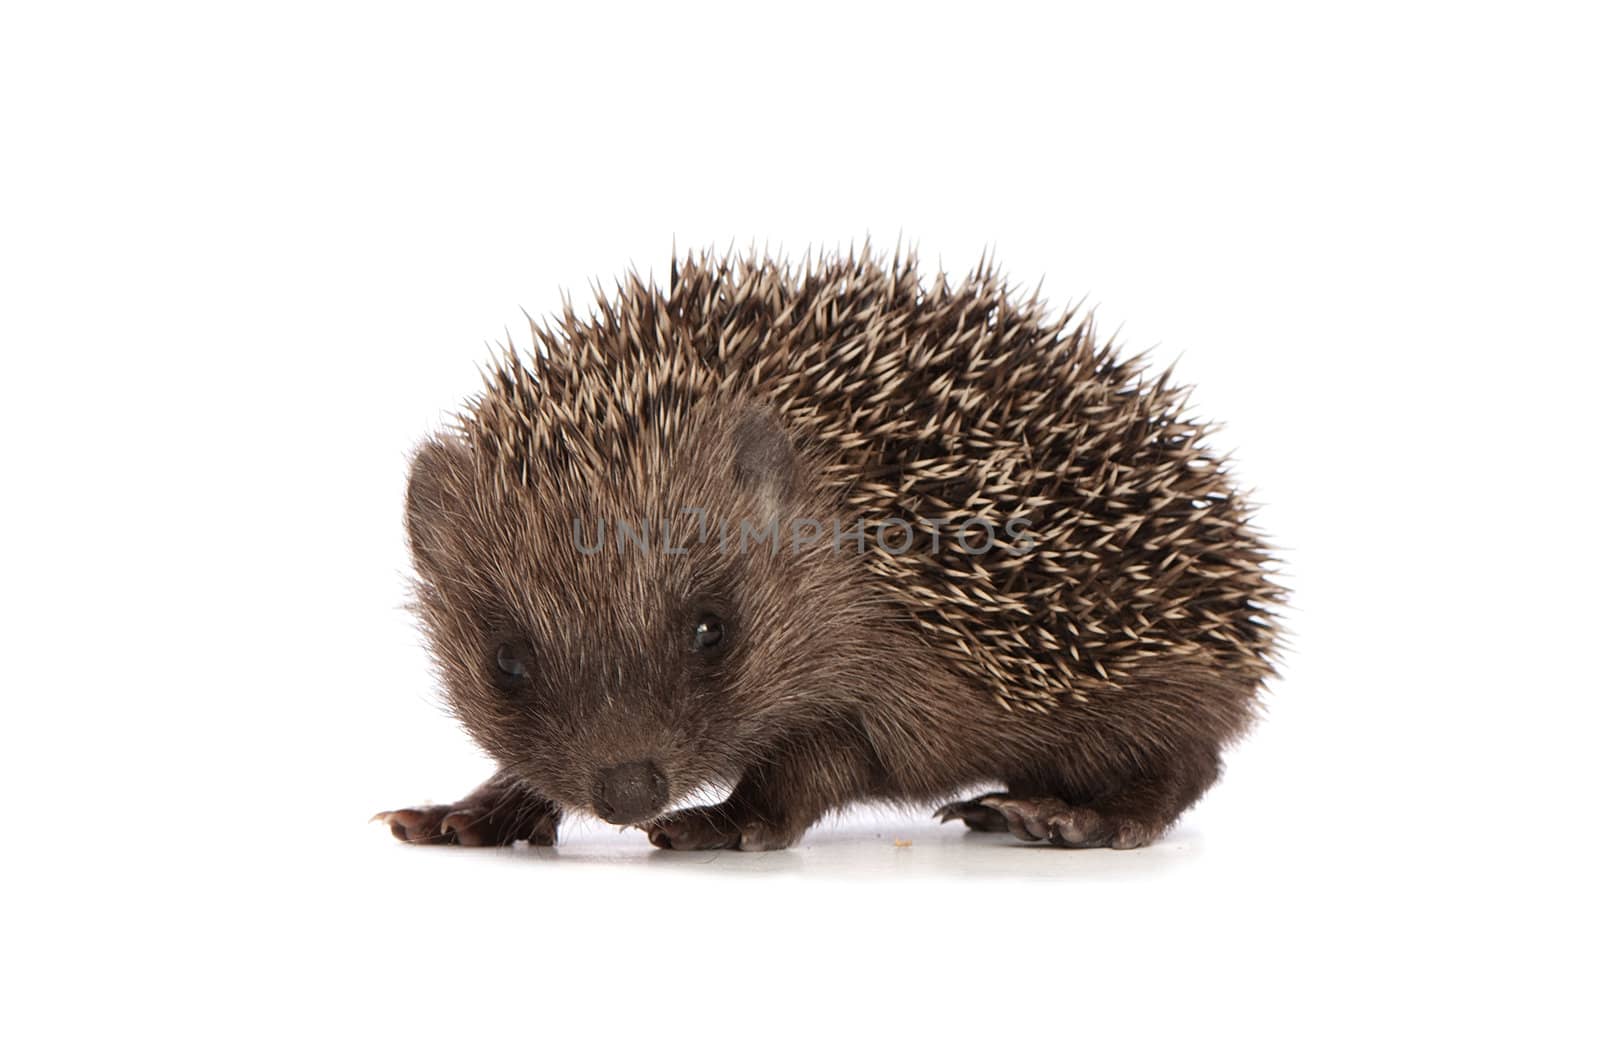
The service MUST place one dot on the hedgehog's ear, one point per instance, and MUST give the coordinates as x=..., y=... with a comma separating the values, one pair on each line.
x=764, y=458
x=435, y=501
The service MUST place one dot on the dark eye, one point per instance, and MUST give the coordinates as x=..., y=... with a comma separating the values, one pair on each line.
x=511, y=663
x=708, y=633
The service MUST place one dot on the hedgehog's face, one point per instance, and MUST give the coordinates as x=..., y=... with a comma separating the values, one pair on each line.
x=615, y=667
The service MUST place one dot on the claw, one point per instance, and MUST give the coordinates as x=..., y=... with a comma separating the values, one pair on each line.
x=1020, y=825
x=459, y=824
x=977, y=814
x=401, y=822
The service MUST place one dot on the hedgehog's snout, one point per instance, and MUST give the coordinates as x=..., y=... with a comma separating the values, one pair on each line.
x=629, y=793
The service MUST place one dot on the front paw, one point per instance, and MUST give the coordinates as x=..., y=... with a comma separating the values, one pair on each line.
x=471, y=824
x=715, y=827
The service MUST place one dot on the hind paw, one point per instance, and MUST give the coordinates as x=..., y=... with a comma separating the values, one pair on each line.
x=1070, y=826
x=975, y=814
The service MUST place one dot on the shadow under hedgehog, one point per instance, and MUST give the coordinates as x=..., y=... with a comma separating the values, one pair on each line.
x=826, y=534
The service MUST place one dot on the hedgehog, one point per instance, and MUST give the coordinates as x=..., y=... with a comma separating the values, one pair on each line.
x=807, y=535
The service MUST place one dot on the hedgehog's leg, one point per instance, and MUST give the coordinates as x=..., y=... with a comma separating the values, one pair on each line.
x=975, y=814
x=1039, y=819
x=703, y=827
x=1129, y=815
x=774, y=804
x=979, y=815
x=499, y=812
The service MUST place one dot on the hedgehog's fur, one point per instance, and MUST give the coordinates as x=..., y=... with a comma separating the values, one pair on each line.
x=1096, y=671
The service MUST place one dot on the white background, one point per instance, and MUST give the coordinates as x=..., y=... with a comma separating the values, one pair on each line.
x=251, y=256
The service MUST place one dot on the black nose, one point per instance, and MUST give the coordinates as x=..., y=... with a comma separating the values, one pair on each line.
x=628, y=793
